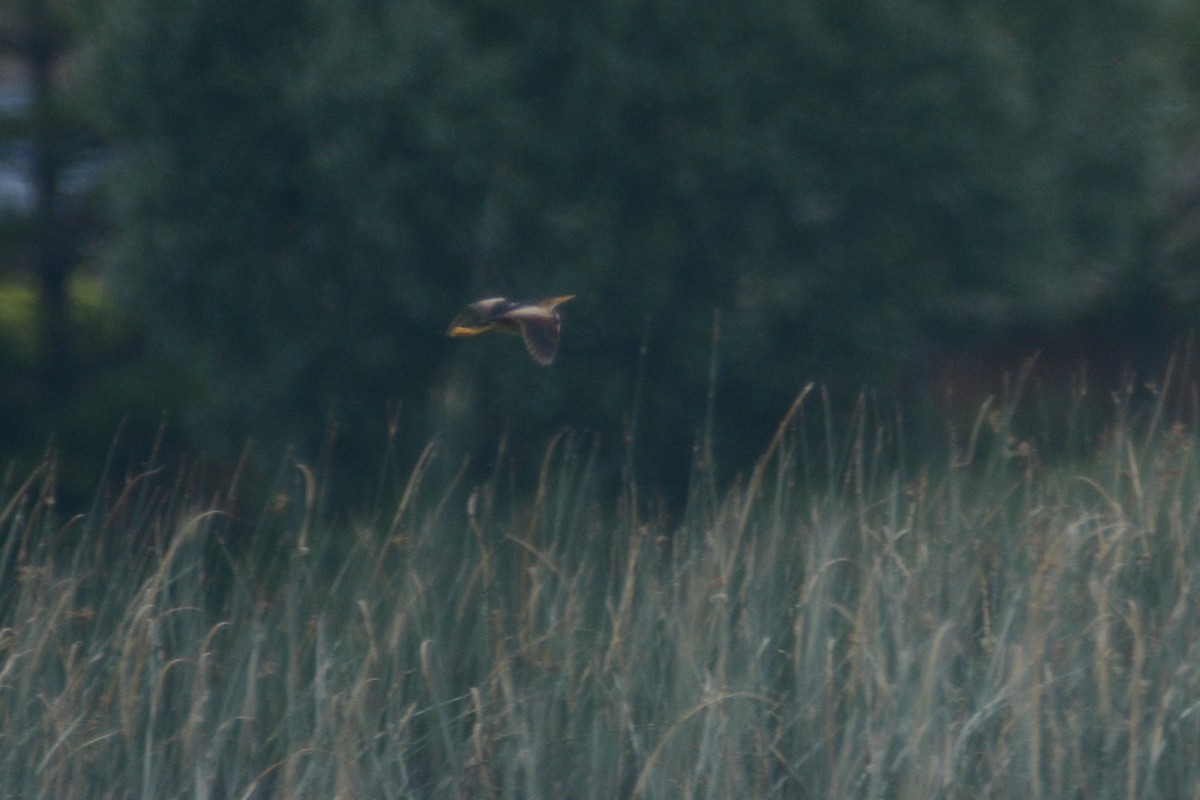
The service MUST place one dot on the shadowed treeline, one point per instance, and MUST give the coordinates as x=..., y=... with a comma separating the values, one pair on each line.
x=291, y=201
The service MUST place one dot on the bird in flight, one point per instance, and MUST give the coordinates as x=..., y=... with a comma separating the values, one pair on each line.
x=537, y=321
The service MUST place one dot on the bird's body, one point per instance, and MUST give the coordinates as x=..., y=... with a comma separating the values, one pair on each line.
x=536, y=321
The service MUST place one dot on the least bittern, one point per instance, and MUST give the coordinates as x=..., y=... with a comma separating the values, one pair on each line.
x=536, y=321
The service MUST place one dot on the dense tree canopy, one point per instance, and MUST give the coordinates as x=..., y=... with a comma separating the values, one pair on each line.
x=310, y=189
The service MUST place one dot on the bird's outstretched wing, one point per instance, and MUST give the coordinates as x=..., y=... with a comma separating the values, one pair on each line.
x=539, y=328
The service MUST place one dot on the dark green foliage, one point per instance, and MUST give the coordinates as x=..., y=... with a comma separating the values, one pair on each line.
x=294, y=195
x=313, y=188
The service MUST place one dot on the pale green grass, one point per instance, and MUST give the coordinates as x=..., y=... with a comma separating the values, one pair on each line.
x=833, y=626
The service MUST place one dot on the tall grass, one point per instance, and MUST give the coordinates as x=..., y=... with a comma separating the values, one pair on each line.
x=837, y=624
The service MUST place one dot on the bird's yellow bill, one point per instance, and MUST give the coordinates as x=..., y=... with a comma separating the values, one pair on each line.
x=464, y=330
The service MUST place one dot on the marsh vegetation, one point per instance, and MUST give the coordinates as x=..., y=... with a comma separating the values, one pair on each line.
x=837, y=623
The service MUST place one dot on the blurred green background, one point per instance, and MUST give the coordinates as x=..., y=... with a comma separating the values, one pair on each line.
x=250, y=223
